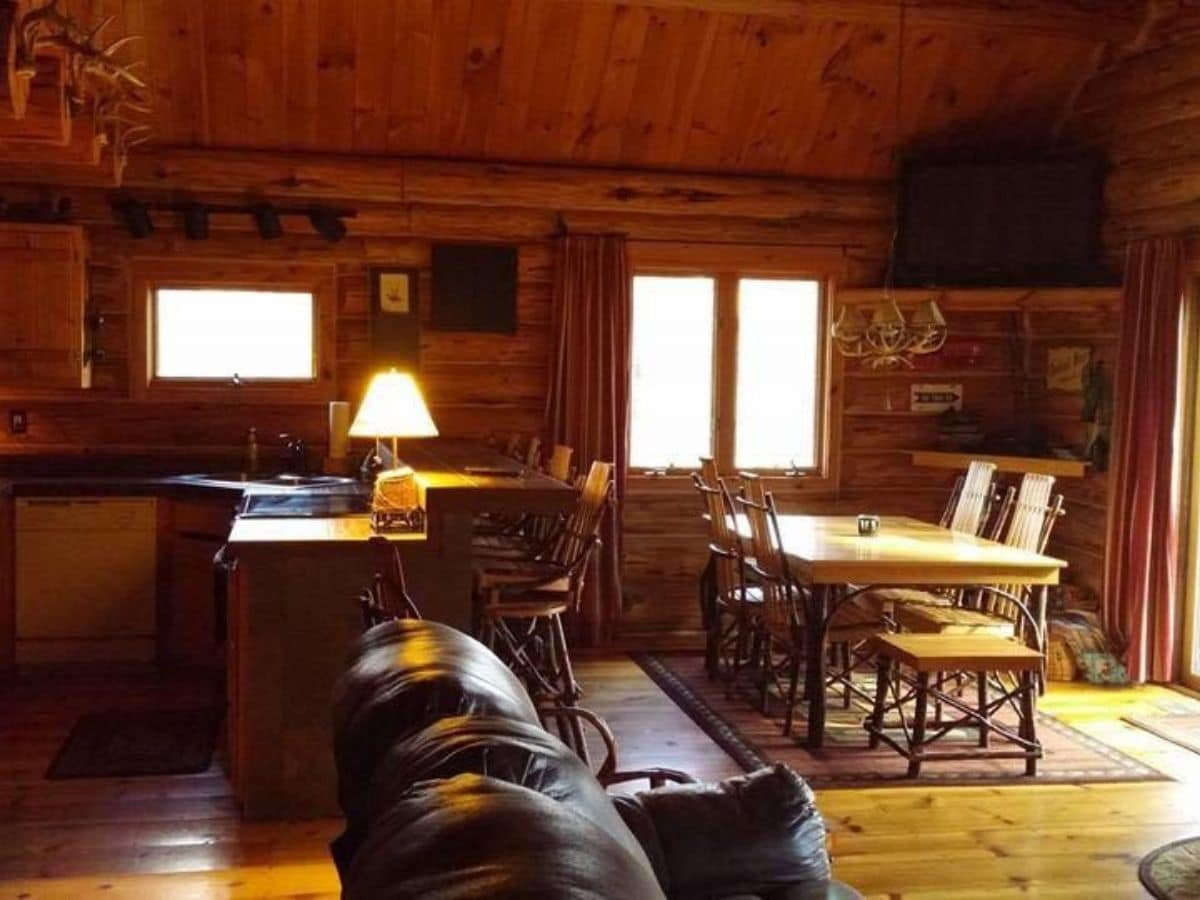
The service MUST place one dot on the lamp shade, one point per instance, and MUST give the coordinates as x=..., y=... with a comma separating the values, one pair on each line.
x=393, y=407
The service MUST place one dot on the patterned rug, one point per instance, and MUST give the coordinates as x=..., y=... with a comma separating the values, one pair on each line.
x=1172, y=872
x=755, y=740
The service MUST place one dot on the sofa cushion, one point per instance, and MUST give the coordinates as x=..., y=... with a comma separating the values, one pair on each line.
x=506, y=750
x=755, y=834
x=476, y=837
x=405, y=675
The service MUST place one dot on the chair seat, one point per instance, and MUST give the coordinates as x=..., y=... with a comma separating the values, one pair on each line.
x=855, y=621
x=953, y=620
x=886, y=600
x=753, y=595
x=968, y=652
x=530, y=606
x=502, y=572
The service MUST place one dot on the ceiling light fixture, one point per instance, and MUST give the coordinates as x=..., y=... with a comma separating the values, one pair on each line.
x=327, y=223
x=195, y=221
x=134, y=215
x=266, y=219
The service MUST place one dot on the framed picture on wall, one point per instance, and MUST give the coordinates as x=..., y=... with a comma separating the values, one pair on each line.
x=395, y=318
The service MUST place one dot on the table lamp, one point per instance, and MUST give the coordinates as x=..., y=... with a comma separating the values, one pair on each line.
x=394, y=408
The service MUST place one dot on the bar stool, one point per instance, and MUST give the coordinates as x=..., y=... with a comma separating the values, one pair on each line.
x=907, y=668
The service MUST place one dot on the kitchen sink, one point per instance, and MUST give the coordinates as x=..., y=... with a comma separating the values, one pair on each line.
x=282, y=480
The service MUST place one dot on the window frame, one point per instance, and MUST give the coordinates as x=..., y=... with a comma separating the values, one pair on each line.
x=317, y=280
x=726, y=278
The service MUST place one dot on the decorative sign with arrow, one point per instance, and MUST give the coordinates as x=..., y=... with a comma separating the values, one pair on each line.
x=936, y=398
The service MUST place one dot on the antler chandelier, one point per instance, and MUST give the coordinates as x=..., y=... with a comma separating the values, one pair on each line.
x=887, y=340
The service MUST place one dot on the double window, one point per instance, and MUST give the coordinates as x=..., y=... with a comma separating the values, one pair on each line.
x=727, y=366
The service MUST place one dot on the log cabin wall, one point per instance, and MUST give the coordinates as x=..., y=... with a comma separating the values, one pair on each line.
x=996, y=350
x=1143, y=112
x=477, y=384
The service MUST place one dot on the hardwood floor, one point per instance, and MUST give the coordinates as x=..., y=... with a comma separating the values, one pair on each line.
x=168, y=837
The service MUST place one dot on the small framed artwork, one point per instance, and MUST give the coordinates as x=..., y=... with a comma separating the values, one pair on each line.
x=1065, y=367
x=395, y=318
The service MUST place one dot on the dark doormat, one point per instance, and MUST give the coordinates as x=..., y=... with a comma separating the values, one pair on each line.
x=147, y=742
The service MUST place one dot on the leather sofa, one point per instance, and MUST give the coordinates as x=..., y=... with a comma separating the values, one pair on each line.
x=452, y=789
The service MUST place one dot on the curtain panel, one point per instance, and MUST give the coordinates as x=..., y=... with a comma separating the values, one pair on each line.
x=588, y=404
x=1141, y=600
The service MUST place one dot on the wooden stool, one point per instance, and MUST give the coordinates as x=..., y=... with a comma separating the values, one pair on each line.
x=907, y=661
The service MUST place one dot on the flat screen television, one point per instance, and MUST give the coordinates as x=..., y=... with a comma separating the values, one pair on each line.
x=978, y=223
x=474, y=288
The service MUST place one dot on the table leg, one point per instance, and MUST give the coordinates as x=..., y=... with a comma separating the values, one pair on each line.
x=818, y=609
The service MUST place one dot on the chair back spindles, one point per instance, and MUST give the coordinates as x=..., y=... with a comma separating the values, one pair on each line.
x=583, y=524
x=974, y=498
x=559, y=464
x=779, y=612
x=1034, y=512
x=724, y=544
x=533, y=453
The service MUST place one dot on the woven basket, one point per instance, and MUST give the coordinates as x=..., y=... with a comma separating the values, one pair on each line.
x=1060, y=664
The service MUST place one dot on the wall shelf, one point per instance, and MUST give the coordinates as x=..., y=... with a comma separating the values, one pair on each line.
x=1042, y=465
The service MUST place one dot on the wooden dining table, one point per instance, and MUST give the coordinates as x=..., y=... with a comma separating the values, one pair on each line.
x=829, y=555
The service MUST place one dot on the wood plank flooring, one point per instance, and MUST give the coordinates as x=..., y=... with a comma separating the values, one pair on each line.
x=168, y=837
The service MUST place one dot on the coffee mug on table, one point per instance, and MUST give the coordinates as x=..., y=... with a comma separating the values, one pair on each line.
x=868, y=525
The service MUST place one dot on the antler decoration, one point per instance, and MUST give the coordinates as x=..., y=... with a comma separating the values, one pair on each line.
x=96, y=80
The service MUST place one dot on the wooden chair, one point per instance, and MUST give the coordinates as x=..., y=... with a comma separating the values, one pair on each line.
x=1002, y=610
x=522, y=601
x=559, y=464
x=967, y=510
x=387, y=598
x=733, y=603
x=783, y=633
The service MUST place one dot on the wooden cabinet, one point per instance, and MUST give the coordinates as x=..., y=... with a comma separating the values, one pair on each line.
x=189, y=630
x=42, y=299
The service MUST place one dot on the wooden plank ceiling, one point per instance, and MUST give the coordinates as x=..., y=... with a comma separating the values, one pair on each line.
x=778, y=86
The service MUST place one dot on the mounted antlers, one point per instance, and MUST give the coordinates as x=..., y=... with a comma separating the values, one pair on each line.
x=96, y=80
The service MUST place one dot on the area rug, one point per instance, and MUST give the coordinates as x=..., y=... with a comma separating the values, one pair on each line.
x=1181, y=729
x=1172, y=872
x=755, y=740
x=152, y=742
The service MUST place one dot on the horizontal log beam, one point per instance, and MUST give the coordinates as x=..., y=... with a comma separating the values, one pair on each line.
x=1116, y=21
x=320, y=177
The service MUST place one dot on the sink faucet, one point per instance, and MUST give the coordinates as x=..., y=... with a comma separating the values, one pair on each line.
x=295, y=454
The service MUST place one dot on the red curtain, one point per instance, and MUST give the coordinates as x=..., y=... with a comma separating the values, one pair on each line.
x=1141, y=575
x=588, y=404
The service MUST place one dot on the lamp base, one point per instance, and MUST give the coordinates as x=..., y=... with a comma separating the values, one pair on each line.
x=395, y=505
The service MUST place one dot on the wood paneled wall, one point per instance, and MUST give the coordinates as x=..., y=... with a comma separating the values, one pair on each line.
x=476, y=384
x=996, y=351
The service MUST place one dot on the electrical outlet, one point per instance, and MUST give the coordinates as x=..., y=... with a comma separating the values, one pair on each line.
x=18, y=421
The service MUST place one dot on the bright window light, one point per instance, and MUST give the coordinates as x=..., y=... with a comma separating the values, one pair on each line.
x=671, y=396
x=778, y=363
x=217, y=334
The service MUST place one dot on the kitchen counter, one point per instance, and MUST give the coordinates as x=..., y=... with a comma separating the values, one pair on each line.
x=294, y=614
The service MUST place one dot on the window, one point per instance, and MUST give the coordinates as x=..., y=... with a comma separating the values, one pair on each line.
x=778, y=356
x=727, y=366
x=217, y=334
x=672, y=386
